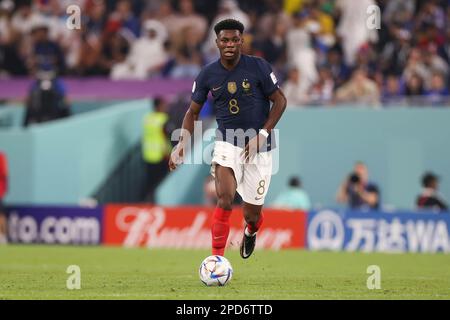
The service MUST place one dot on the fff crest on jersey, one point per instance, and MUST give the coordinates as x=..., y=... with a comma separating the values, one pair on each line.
x=246, y=85
x=232, y=87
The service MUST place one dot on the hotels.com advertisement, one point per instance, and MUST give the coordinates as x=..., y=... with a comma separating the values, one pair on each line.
x=190, y=227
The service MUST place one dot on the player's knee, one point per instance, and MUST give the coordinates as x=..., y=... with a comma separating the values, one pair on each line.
x=225, y=201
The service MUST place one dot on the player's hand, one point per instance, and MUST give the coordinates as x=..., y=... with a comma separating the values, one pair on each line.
x=176, y=157
x=252, y=148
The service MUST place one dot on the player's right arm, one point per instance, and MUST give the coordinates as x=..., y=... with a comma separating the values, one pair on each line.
x=200, y=91
x=192, y=114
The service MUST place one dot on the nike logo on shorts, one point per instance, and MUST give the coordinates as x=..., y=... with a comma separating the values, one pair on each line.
x=256, y=198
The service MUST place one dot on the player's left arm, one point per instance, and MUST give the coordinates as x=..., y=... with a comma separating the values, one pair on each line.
x=271, y=89
x=279, y=105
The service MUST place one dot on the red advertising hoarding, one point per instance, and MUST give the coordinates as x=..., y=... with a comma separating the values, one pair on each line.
x=189, y=227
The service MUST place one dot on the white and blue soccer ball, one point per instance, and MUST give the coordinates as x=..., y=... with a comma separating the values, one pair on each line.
x=215, y=271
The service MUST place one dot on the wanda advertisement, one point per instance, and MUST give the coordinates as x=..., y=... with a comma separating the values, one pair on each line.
x=189, y=227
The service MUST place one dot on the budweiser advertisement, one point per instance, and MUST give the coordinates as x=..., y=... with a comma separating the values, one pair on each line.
x=189, y=227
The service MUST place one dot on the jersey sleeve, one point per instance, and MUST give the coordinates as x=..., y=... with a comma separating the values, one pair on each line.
x=269, y=82
x=200, y=89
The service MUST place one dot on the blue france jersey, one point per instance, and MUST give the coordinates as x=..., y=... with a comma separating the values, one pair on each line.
x=240, y=96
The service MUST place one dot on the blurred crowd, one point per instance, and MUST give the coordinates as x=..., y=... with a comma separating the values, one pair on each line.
x=322, y=50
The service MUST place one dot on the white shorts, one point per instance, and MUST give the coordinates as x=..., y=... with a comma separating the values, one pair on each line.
x=253, y=179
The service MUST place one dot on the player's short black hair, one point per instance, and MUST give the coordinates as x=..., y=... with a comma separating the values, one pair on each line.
x=229, y=24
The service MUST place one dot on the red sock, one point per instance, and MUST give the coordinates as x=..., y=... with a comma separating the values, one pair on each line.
x=219, y=230
x=254, y=228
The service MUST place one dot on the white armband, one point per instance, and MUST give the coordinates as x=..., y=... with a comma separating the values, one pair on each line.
x=264, y=132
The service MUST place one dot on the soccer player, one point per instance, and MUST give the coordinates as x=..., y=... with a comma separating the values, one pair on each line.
x=242, y=88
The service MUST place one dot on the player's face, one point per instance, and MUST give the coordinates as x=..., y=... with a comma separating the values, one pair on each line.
x=229, y=43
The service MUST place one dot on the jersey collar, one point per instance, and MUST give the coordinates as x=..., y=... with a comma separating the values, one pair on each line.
x=235, y=67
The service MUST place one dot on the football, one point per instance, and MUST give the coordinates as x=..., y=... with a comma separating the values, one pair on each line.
x=215, y=271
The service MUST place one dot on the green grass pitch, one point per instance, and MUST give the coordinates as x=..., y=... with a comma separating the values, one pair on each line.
x=39, y=272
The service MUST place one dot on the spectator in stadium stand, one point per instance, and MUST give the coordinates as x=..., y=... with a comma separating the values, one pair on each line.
x=294, y=197
x=190, y=18
x=5, y=22
x=168, y=17
x=366, y=58
x=429, y=198
x=393, y=56
x=273, y=48
x=360, y=89
x=357, y=191
x=293, y=6
x=325, y=36
x=124, y=16
x=115, y=48
x=10, y=63
x=271, y=16
x=321, y=93
x=444, y=50
x=188, y=59
x=3, y=190
x=23, y=18
x=353, y=15
x=339, y=70
x=430, y=13
x=91, y=45
x=416, y=65
x=414, y=87
x=137, y=65
x=438, y=93
x=393, y=92
x=227, y=9
x=294, y=90
x=186, y=43
x=398, y=10
x=54, y=14
x=95, y=18
x=46, y=54
x=155, y=145
x=300, y=52
x=434, y=62
x=414, y=38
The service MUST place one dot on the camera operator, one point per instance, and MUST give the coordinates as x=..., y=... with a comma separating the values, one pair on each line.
x=430, y=199
x=46, y=99
x=357, y=191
